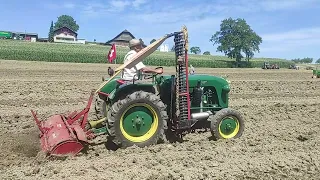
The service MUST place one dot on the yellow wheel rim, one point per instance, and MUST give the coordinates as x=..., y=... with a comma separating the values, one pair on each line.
x=142, y=128
x=229, y=127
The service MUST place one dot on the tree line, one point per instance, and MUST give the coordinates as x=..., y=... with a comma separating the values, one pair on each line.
x=305, y=60
x=235, y=39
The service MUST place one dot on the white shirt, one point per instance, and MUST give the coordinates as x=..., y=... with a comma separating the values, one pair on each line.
x=128, y=74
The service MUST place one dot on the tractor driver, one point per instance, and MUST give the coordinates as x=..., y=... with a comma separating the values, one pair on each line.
x=135, y=46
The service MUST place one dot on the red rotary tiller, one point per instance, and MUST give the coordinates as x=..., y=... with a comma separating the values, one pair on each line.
x=62, y=135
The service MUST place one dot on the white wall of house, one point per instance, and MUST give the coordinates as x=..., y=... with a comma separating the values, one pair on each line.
x=164, y=48
x=82, y=41
x=64, y=37
x=67, y=38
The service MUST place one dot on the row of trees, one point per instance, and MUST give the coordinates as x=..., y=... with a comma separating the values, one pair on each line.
x=305, y=60
x=235, y=39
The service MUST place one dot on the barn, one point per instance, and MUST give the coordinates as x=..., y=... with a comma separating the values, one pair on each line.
x=122, y=39
x=33, y=37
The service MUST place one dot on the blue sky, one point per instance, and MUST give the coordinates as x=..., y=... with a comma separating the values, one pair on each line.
x=289, y=28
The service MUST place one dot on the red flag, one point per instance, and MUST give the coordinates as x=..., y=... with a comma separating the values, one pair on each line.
x=112, y=53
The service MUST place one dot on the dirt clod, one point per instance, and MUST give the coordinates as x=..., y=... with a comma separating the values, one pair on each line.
x=302, y=138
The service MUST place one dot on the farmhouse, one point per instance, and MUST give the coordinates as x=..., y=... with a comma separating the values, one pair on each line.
x=66, y=35
x=122, y=39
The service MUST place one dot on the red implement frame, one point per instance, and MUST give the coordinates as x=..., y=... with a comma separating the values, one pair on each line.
x=63, y=135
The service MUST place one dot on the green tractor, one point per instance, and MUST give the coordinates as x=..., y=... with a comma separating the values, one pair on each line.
x=316, y=73
x=160, y=107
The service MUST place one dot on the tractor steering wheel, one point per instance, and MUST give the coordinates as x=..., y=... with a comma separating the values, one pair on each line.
x=151, y=75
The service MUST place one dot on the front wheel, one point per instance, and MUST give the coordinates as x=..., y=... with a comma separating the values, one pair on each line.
x=139, y=119
x=226, y=123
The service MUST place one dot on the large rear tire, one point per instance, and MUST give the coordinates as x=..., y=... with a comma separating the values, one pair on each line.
x=139, y=119
x=226, y=123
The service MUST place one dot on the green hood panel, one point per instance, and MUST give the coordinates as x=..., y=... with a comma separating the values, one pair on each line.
x=109, y=87
x=219, y=85
x=113, y=88
x=207, y=80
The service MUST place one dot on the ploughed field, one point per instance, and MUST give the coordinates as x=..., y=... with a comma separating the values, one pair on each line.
x=281, y=138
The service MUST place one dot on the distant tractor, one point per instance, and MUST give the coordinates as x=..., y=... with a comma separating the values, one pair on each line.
x=266, y=65
x=316, y=73
x=293, y=66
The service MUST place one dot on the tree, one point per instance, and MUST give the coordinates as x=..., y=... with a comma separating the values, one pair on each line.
x=303, y=60
x=307, y=60
x=50, y=34
x=318, y=61
x=195, y=50
x=67, y=21
x=296, y=60
x=206, y=53
x=234, y=37
x=153, y=40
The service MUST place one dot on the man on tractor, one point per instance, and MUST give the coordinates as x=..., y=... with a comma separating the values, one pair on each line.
x=135, y=46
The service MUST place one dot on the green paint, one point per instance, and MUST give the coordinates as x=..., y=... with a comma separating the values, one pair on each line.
x=316, y=72
x=5, y=34
x=228, y=125
x=125, y=89
x=137, y=121
x=100, y=130
x=110, y=86
x=114, y=89
x=219, y=86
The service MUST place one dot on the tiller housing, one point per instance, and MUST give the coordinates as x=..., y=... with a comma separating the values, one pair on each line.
x=62, y=135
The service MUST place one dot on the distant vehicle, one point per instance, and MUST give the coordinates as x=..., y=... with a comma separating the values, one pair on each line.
x=266, y=65
x=5, y=35
x=293, y=66
x=316, y=73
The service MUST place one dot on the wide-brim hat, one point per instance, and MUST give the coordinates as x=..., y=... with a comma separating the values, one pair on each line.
x=134, y=42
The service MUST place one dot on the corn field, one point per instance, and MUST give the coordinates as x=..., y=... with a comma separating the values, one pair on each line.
x=80, y=53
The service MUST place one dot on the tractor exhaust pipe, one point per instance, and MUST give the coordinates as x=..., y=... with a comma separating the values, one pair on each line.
x=201, y=115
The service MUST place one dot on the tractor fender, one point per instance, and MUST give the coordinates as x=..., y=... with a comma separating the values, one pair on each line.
x=125, y=89
x=226, y=88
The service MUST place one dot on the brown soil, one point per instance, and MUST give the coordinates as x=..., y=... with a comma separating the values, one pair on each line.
x=281, y=138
